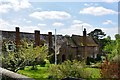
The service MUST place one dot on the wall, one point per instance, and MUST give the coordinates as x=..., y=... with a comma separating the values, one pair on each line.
x=9, y=75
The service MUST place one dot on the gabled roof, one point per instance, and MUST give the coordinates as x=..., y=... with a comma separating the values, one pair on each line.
x=80, y=42
x=69, y=41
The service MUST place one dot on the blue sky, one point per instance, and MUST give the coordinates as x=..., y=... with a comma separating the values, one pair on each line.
x=67, y=17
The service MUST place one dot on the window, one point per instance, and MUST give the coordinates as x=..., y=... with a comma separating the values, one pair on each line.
x=96, y=48
x=10, y=47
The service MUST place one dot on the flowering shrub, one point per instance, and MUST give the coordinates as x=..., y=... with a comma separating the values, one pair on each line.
x=23, y=56
x=110, y=70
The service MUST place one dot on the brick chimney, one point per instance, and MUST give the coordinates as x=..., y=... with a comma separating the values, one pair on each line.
x=85, y=44
x=17, y=36
x=50, y=41
x=37, y=38
x=84, y=33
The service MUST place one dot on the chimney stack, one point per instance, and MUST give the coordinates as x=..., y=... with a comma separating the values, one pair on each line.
x=37, y=38
x=85, y=43
x=50, y=41
x=17, y=36
x=84, y=32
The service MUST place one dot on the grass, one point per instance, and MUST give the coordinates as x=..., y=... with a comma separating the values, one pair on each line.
x=42, y=73
x=39, y=74
x=94, y=73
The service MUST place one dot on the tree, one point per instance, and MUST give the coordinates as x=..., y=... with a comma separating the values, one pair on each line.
x=97, y=35
x=113, y=47
x=110, y=69
x=24, y=55
x=117, y=36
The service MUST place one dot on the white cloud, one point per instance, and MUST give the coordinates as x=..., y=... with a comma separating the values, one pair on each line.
x=97, y=11
x=73, y=29
x=90, y=4
x=7, y=26
x=28, y=21
x=50, y=15
x=58, y=24
x=76, y=28
x=111, y=32
x=14, y=5
x=17, y=5
x=86, y=4
x=41, y=24
x=107, y=22
x=25, y=20
x=29, y=28
x=4, y=8
x=77, y=22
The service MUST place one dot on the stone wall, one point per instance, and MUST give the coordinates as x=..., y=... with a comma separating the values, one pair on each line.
x=9, y=75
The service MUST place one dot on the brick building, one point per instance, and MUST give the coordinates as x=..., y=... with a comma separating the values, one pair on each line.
x=74, y=47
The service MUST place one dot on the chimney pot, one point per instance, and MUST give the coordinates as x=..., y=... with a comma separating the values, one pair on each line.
x=84, y=32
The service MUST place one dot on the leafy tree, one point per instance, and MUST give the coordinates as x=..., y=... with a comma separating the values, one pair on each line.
x=24, y=55
x=97, y=35
x=117, y=36
x=111, y=69
x=113, y=47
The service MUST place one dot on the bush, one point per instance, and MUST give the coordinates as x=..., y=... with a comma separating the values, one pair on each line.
x=91, y=73
x=66, y=69
x=47, y=63
x=110, y=70
x=73, y=69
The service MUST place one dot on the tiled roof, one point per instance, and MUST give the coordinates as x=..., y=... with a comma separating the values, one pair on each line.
x=80, y=42
x=69, y=41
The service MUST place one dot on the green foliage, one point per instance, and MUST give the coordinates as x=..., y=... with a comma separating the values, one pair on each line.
x=92, y=73
x=113, y=48
x=40, y=74
x=24, y=55
x=97, y=34
x=117, y=36
x=66, y=69
x=111, y=69
x=74, y=69
x=47, y=63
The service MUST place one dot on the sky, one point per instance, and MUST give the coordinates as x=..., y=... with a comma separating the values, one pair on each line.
x=67, y=17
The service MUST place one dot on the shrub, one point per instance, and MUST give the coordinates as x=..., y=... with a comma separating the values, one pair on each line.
x=91, y=73
x=47, y=63
x=73, y=69
x=23, y=56
x=110, y=70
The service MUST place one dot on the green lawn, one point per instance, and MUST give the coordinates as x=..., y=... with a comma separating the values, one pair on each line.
x=39, y=74
x=42, y=73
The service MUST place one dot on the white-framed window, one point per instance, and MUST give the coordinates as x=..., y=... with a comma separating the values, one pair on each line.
x=10, y=47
